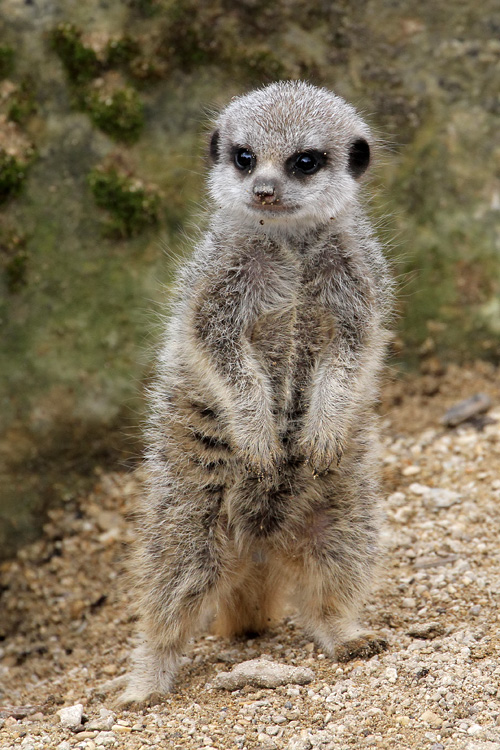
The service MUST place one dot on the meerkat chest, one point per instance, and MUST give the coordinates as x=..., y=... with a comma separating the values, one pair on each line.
x=293, y=334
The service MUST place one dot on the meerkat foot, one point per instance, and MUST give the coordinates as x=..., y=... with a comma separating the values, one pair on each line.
x=363, y=646
x=152, y=676
x=134, y=698
x=114, y=685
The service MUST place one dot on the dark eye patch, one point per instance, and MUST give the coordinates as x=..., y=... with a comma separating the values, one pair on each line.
x=306, y=163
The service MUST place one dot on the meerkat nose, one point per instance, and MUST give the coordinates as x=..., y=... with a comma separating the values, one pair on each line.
x=265, y=192
x=264, y=189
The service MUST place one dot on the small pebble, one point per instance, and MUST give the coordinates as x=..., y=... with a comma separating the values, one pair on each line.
x=402, y=720
x=427, y=630
x=272, y=730
x=391, y=674
x=266, y=742
x=299, y=742
x=429, y=717
x=410, y=471
x=71, y=716
x=408, y=602
x=104, y=739
x=474, y=729
x=121, y=728
x=104, y=722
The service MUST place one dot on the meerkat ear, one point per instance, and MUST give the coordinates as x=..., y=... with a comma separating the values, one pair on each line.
x=214, y=146
x=359, y=157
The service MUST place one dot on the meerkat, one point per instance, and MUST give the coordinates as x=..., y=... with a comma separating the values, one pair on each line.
x=262, y=443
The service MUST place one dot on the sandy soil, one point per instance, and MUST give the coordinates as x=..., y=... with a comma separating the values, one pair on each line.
x=66, y=624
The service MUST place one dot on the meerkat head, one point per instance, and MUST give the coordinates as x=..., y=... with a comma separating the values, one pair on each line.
x=287, y=157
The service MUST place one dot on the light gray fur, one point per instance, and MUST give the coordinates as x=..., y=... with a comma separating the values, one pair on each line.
x=262, y=457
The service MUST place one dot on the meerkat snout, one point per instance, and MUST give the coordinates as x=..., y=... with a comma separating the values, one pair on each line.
x=265, y=191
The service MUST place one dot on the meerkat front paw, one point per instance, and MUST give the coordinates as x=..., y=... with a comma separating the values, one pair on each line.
x=265, y=468
x=321, y=452
x=263, y=459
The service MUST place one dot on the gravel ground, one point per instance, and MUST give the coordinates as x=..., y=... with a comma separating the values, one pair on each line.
x=66, y=626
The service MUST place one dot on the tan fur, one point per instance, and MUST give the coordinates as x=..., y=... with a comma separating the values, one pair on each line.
x=262, y=444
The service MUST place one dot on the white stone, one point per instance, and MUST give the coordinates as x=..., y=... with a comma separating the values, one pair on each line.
x=71, y=716
x=444, y=498
x=419, y=489
x=105, y=738
x=266, y=742
x=474, y=729
x=262, y=673
x=105, y=721
x=429, y=717
x=272, y=730
x=410, y=471
x=391, y=674
x=299, y=742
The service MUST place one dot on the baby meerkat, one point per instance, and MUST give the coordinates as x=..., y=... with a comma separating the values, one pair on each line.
x=262, y=457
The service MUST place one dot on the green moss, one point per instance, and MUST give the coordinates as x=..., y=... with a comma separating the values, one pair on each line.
x=146, y=8
x=146, y=67
x=16, y=272
x=12, y=176
x=191, y=35
x=22, y=102
x=248, y=38
x=261, y=61
x=6, y=60
x=133, y=207
x=121, y=51
x=119, y=114
x=80, y=61
x=14, y=260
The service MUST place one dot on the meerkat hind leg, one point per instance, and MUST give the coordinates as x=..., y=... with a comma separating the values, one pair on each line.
x=333, y=580
x=188, y=592
x=332, y=621
x=338, y=633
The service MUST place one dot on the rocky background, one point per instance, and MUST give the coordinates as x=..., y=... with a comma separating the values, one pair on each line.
x=104, y=111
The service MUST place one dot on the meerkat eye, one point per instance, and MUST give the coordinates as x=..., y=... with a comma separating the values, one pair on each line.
x=306, y=163
x=244, y=159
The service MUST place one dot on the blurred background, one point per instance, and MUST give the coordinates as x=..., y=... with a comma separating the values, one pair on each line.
x=104, y=112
